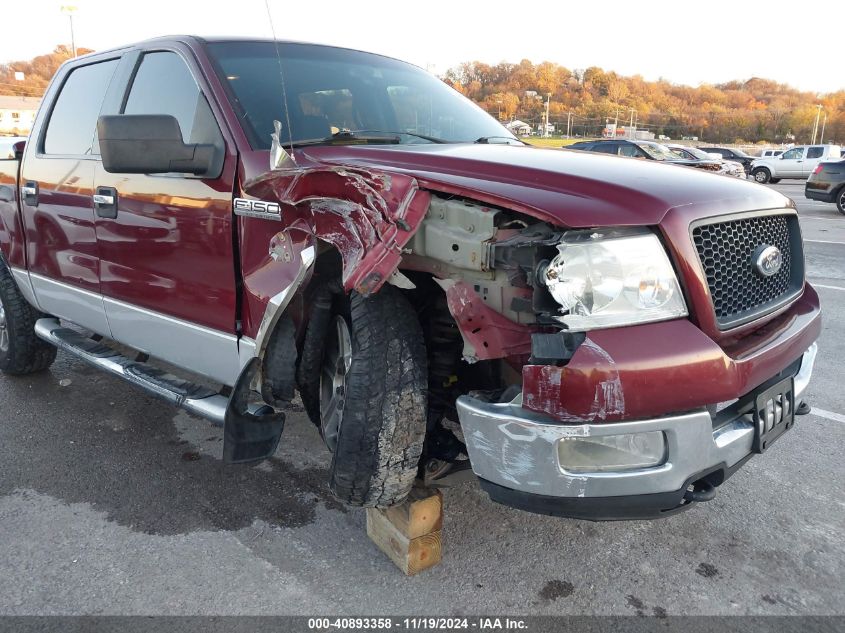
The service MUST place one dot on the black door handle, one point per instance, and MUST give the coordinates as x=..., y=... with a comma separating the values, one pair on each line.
x=105, y=202
x=30, y=193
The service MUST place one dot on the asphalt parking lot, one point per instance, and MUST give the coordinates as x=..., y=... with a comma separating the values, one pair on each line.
x=112, y=503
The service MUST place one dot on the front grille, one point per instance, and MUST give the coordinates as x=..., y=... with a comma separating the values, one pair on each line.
x=727, y=251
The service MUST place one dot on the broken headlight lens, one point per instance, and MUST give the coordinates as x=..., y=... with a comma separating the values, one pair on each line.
x=608, y=279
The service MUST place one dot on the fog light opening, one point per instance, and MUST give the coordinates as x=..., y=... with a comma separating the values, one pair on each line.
x=612, y=453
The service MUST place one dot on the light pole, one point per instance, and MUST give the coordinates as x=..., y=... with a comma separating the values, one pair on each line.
x=546, y=123
x=816, y=124
x=824, y=123
x=69, y=10
x=632, y=130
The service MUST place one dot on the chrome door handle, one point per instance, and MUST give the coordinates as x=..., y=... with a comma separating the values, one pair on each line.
x=105, y=202
x=29, y=193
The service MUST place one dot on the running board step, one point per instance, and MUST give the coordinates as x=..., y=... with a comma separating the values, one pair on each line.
x=194, y=398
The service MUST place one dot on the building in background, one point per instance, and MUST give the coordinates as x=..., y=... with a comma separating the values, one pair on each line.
x=17, y=114
x=520, y=128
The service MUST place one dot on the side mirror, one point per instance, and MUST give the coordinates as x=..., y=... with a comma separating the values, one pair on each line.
x=149, y=144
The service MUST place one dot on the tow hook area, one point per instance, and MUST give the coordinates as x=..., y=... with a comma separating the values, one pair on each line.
x=702, y=490
x=249, y=436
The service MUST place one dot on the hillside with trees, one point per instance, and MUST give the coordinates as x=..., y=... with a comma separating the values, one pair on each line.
x=37, y=72
x=755, y=110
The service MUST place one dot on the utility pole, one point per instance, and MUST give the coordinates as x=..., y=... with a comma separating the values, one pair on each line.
x=568, y=122
x=824, y=123
x=70, y=10
x=816, y=124
x=546, y=124
x=632, y=130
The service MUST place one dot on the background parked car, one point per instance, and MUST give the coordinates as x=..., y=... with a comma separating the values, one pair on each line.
x=736, y=155
x=798, y=162
x=727, y=167
x=643, y=149
x=827, y=184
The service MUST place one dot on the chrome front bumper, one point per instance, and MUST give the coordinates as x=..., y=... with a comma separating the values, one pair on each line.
x=516, y=449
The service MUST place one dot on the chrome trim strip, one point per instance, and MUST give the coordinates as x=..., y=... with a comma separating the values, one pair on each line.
x=517, y=448
x=101, y=199
x=212, y=408
x=193, y=347
x=24, y=283
x=278, y=303
x=83, y=307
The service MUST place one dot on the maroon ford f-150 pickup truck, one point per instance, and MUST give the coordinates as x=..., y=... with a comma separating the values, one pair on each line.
x=591, y=336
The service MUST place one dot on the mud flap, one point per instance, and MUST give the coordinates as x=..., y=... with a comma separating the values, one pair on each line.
x=249, y=437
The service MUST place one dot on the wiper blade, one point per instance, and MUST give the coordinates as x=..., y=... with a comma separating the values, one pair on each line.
x=346, y=137
x=430, y=139
x=486, y=140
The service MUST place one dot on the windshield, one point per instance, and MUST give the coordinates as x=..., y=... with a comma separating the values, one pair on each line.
x=332, y=90
x=658, y=151
x=699, y=154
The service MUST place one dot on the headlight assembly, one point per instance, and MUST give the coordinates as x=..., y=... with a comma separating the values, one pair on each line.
x=608, y=279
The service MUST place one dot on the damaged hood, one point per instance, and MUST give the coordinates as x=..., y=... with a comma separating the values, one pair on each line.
x=567, y=188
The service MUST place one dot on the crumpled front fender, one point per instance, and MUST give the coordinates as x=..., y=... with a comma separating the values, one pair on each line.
x=367, y=215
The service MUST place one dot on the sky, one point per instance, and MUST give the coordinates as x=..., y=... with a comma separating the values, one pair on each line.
x=683, y=41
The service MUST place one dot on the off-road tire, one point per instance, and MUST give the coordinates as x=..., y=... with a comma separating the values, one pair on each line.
x=840, y=200
x=26, y=353
x=761, y=175
x=326, y=299
x=381, y=436
x=279, y=370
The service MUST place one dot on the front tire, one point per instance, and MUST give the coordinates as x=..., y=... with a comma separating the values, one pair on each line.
x=363, y=381
x=21, y=352
x=761, y=175
x=840, y=200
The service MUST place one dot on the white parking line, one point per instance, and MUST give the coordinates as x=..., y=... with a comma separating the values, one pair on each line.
x=815, y=285
x=830, y=415
x=824, y=242
x=814, y=217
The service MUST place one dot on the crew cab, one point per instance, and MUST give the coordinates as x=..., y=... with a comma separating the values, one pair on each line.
x=797, y=162
x=590, y=336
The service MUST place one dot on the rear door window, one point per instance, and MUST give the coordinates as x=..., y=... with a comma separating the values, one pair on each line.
x=815, y=152
x=70, y=131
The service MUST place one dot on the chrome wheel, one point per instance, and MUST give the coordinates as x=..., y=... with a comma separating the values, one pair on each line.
x=4, y=329
x=336, y=363
x=761, y=176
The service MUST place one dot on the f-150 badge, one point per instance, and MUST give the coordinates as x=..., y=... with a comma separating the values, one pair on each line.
x=258, y=209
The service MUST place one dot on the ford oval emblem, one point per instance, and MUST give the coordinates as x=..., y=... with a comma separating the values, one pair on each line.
x=767, y=260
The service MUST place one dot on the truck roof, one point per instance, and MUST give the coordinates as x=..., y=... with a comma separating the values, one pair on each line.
x=194, y=40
